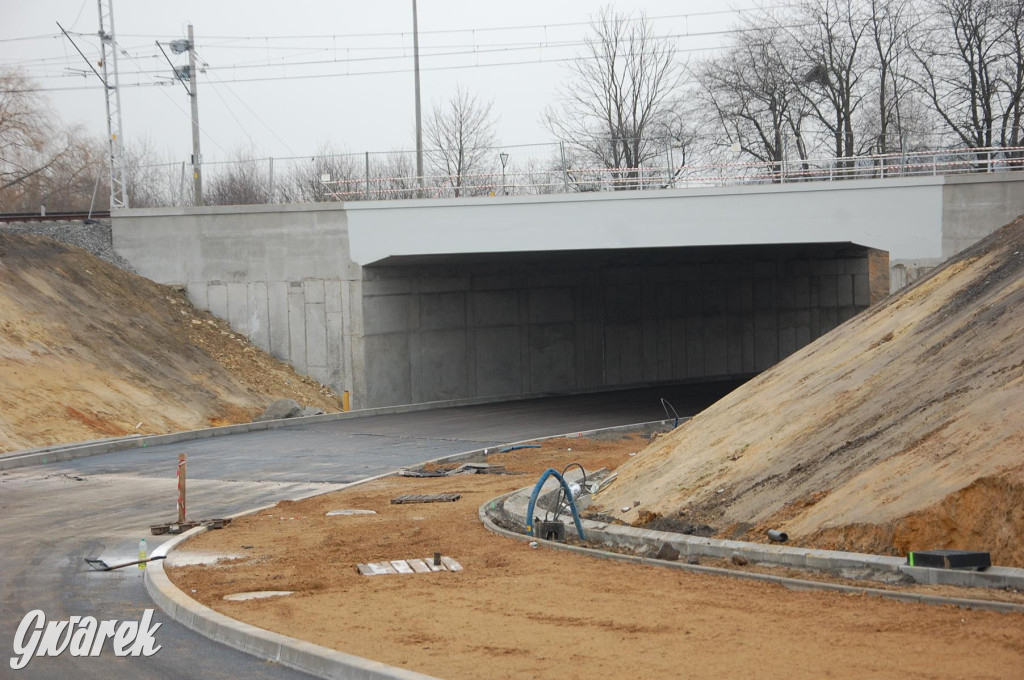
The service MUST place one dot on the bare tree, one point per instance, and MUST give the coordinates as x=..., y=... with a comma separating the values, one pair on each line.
x=460, y=133
x=32, y=142
x=152, y=181
x=889, y=23
x=971, y=61
x=831, y=62
x=393, y=176
x=623, y=88
x=330, y=175
x=244, y=180
x=71, y=179
x=749, y=99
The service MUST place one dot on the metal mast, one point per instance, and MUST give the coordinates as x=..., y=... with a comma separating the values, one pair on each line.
x=118, y=196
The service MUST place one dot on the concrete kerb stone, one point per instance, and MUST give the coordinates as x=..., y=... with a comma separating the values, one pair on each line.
x=874, y=567
x=495, y=508
x=304, y=656
x=319, y=661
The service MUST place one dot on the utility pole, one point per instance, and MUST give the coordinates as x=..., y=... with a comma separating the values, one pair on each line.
x=197, y=168
x=183, y=73
x=419, y=121
x=118, y=197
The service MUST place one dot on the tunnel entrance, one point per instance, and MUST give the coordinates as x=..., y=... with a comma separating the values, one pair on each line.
x=498, y=324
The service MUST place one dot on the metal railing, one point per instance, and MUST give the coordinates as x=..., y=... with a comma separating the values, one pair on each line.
x=545, y=169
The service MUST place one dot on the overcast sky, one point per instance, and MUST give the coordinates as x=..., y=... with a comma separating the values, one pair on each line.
x=290, y=106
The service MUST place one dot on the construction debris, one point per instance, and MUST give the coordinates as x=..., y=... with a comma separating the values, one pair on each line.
x=465, y=469
x=256, y=595
x=426, y=498
x=180, y=527
x=414, y=566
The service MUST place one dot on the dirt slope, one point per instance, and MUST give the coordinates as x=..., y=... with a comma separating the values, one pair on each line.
x=902, y=429
x=89, y=351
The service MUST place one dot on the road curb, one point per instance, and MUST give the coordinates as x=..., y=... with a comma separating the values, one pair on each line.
x=319, y=661
x=753, y=551
x=65, y=452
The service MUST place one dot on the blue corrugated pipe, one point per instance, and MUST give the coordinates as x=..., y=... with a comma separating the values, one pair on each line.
x=569, y=495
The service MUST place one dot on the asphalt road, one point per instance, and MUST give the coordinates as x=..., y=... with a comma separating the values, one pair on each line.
x=54, y=516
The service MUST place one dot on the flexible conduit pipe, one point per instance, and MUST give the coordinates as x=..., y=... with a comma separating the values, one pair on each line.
x=572, y=502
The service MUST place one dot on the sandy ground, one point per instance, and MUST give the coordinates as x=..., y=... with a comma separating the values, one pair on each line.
x=89, y=351
x=900, y=430
x=517, y=612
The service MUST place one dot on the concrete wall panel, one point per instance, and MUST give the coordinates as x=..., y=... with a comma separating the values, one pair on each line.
x=694, y=346
x=297, y=326
x=279, y=331
x=218, y=298
x=716, y=345
x=498, y=369
x=495, y=308
x=258, y=321
x=316, y=340
x=551, y=305
x=631, y=354
x=766, y=339
x=386, y=314
x=442, y=310
x=443, y=366
x=336, y=356
x=238, y=306
x=552, y=357
x=388, y=379
x=198, y=294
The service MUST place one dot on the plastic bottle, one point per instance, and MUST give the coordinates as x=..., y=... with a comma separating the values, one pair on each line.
x=142, y=554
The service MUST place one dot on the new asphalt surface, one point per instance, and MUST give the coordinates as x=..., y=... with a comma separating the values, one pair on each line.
x=54, y=516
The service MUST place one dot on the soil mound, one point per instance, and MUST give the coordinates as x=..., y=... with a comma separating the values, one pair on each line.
x=88, y=350
x=901, y=429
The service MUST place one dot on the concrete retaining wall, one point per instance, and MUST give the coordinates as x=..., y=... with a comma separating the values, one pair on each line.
x=281, y=275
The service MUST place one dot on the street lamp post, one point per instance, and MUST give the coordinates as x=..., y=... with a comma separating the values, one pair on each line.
x=504, y=161
x=419, y=122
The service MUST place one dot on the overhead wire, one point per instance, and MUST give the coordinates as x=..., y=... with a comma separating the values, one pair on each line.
x=348, y=73
x=266, y=39
x=482, y=29
x=174, y=103
x=250, y=109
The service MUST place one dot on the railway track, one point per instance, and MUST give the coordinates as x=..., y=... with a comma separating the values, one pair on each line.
x=53, y=216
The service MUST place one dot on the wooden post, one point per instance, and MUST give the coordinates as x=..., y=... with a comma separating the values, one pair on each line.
x=182, y=459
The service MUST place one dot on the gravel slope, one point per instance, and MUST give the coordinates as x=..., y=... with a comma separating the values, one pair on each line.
x=899, y=430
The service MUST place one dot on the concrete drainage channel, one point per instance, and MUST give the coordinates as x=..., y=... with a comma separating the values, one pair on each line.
x=316, y=660
x=511, y=510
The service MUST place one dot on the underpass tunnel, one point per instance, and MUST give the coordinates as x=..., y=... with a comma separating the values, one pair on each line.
x=458, y=326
